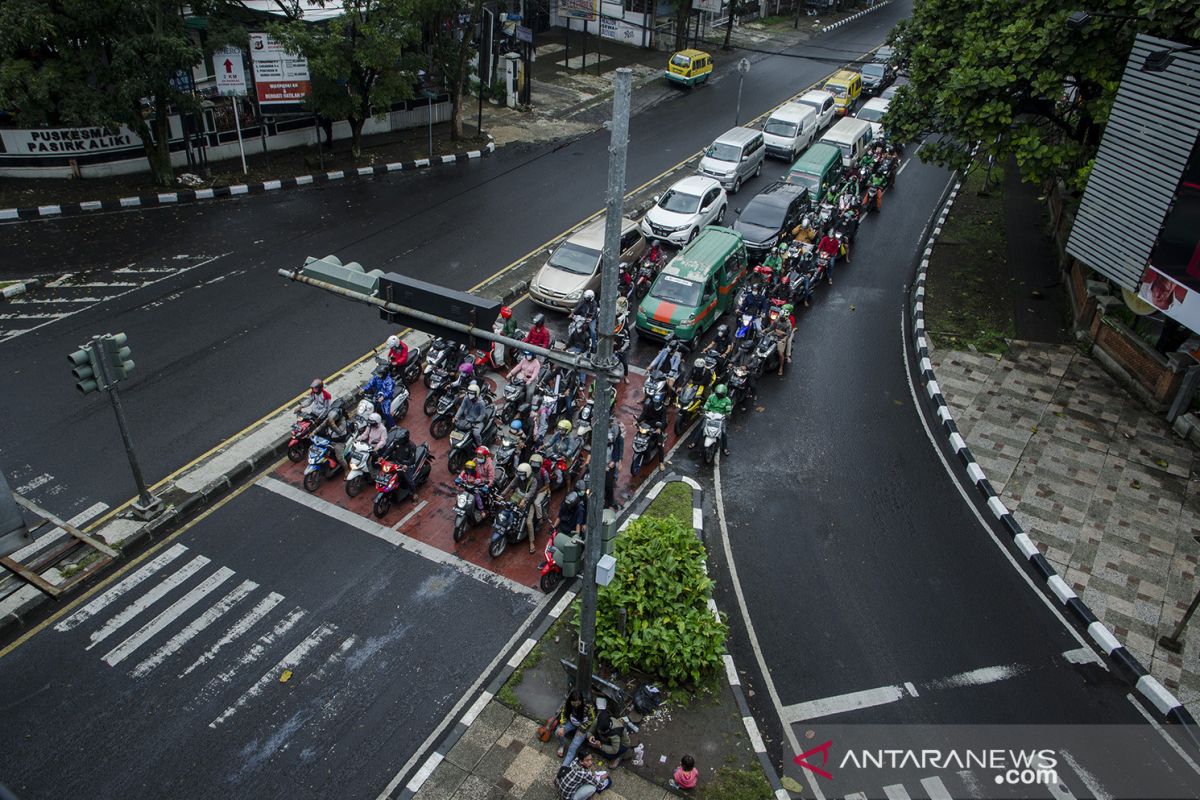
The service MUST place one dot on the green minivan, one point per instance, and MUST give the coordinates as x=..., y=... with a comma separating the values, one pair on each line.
x=696, y=287
x=819, y=168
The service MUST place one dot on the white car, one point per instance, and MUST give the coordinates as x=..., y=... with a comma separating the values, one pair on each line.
x=872, y=112
x=823, y=104
x=679, y=213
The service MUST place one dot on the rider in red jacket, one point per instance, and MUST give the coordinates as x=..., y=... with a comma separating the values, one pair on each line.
x=539, y=335
x=397, y=351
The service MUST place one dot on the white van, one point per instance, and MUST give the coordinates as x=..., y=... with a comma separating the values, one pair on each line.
x=823, y=103
x=789, y=130
x=873, y=111
x=850, y=135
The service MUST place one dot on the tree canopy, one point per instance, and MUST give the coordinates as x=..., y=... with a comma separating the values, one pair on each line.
x=1015, y=79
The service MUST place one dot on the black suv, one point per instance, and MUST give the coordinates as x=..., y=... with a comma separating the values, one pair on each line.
x=879, y=72
x=773, y=211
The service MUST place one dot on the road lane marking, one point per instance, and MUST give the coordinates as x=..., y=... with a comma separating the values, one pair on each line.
x=290, y=661
x=426, y=551
x=416, y=510
x=96, y=606
x=195, y=627
x=169, y=615
x=935, y=788
x=896, y=792
x=115, y=623
x=1094, y=787
x=244, y=624
x=840, y=704
x=979, y=677
x=1163, y=733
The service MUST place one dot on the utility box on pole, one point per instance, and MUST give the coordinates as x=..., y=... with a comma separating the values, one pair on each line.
x=479, y=312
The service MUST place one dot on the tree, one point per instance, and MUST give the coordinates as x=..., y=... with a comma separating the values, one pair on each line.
x=452, y=51
x=1016, y=80
x=104, y=63
x=683, y=14
x=361, y=62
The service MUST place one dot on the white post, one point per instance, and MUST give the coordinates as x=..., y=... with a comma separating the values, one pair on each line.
x=237, y=123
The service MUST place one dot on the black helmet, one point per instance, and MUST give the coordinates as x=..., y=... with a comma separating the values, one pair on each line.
x=722, y=330
x=400, y=435
x=539, y=318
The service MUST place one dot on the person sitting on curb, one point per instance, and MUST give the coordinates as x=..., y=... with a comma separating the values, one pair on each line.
x=611, y=740
x=686, y=774
x=576, y=717
x=579, y=780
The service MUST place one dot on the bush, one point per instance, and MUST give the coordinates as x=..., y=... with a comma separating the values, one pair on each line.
x=670, y=633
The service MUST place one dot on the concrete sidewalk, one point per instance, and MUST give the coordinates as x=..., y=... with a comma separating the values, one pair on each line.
x=1104, y=487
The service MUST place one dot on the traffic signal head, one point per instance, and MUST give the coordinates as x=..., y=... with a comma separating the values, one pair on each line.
x=120, y=356
x=85, y=369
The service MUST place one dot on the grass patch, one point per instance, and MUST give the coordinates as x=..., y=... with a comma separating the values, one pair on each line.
x=968, y=296
x=71, y=570
x=508, y=694
x=738, y=784
x=674, y=501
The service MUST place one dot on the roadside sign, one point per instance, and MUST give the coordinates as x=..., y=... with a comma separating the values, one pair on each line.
x=525, y=34
x=280, y=78
x=231, y=74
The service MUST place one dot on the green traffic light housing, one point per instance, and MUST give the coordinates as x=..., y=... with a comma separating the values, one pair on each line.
x=118, y=356
x=85, y=369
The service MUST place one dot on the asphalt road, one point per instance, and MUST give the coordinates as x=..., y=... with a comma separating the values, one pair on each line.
x=224, y=343
x=146, y=701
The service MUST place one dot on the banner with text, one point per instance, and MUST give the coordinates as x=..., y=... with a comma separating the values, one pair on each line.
x=280, y=78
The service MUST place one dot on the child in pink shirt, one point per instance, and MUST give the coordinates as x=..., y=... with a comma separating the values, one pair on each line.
x=686, y=774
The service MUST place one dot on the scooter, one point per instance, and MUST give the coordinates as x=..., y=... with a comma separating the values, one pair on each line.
x=322, y=462
x=552, y=573
x=495, y=357
x=358, y=466
x=739, y=384
x=443, y=415
x=388, y=486
x=462, y=443
x=508, y=527
x=564, y=458
x=406, y=375
x=398, y=406
x=513, y=397
x=506, y=457
x=467, y=513
x=299, y=442
x=714, y=426
x=647, y=444
x=579, y=338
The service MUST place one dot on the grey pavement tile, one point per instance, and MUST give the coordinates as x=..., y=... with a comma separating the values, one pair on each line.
x=477, y=787
x=522, y=729
x=962, y=374
x=529, y=768
x=1133, y=502
x=1149, y=441
x=496, y=762
x=488, y=727
x=631, y=787
x=443, y=783
x=1064, y=422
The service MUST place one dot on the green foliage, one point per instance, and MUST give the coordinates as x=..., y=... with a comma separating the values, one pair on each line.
x=1015, y=79
x=675, y=500
x=738, y=784
x=361, y=62
x=661, y=584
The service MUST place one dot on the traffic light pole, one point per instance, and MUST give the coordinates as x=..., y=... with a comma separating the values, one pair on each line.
x=147, y=506
x=605, y=363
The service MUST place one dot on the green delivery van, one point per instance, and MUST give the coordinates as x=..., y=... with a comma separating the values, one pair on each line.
x=819, y=168
x=697, y=286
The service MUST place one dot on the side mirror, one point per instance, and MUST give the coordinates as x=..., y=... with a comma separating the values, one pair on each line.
x=655, y=200
x=737, y=211
x=549, y=251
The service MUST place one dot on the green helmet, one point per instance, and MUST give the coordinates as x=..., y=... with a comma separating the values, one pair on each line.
x=786, y=310
x=782, y=247
x=720, y=390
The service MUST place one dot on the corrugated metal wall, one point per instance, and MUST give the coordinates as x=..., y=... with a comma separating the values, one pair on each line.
x=1154, y=123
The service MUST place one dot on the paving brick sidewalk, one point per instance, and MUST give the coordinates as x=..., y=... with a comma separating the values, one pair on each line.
x=500, y=757
x=1104, y=487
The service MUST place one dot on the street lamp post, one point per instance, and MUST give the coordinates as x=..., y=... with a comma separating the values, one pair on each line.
x=743, y=69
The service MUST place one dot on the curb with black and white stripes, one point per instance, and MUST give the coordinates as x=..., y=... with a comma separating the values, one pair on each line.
x=855, y=16
x=421, y=775
x=1128, y=666
x=238, y=190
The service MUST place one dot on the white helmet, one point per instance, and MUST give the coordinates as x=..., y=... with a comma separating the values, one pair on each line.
x=375, y=418
x=393, y=341
x=589, y=295
x=524, y=470
x=473, y=388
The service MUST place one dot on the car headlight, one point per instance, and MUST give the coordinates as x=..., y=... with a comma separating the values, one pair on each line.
x=575, y=295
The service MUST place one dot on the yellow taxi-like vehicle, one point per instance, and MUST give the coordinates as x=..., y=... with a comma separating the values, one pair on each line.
x=689, y=67
x=846, y=87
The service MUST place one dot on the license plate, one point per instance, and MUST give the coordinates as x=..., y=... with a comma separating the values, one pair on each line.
x=658, y=330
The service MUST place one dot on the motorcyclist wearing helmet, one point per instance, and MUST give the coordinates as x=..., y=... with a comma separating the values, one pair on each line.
x=562, y=441
x=375, y=434
x=829, y=246
x=744, y=357
x=774, y=260
x=572, y=515
x=380, y=390
x=527, y=369
x=397, y=352
x=654, y=253
x=485, y=468
x=516, y=433
x=337, y=423
x=701, y=375
x=464, y=376
x=754, y=302
x=526, y=487
x=669, y=360
x=538, y=335
x=471, y=414
x=589, y=309
x=318, y=400
x=722, y=346
x=719, y=403
x=404, y=453
x=783, y=331
x=654, y=411
x=508, y=326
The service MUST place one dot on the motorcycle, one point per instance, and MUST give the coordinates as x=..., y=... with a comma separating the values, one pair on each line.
x=406, y=375
x=322, y=462
x=358, y=468
x=513, y=397
x=579, y=339
x=565, y=458
x=766, y=355
x=691, y=397
x=443, y=415
x=506, y=456
x=398, y=407
x=437, y=358
x=552, y=573
x=647, y=444
x=462, y=445
x=388, y=486
x=739, y=384
x=299, y=443
x=508, y=527
x=714, y=426
x=583, y=422
x=467, y=513
x=874, y=197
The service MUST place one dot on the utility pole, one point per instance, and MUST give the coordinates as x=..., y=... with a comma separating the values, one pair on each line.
x=605, y=363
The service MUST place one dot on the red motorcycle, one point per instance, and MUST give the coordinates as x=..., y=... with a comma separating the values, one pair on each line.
x=390, y=489
x=552, y=573
x=297, y=446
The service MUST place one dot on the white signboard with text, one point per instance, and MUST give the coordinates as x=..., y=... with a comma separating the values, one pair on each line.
x=229, y=71
x=280, y=77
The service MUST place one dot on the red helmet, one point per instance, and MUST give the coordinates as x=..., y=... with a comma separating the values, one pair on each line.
x=506, y=312
x=482, y=451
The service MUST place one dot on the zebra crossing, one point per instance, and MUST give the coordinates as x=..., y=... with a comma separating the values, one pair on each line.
x=58, y=297
x=152, y=617
x=964, y=785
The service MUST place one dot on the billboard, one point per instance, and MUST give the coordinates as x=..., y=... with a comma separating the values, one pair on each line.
x=280, y=78
x=1171, y=282
x=579, y=9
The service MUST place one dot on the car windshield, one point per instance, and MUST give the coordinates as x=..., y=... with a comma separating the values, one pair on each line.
x=724, y=152
x=835, y=90
x=765, y=215
x=847, y=151
x=575, y=258
x=679, y=291
x=809, y=182
x=680, y=61
x=872, y=114
x=679, y=202
x=873, y=70
x=778, y=127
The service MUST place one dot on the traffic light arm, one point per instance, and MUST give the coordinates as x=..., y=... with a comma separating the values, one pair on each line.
x=559, y=357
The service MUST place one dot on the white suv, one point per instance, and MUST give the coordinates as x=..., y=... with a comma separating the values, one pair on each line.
x=822, y=103
x=679, y=213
